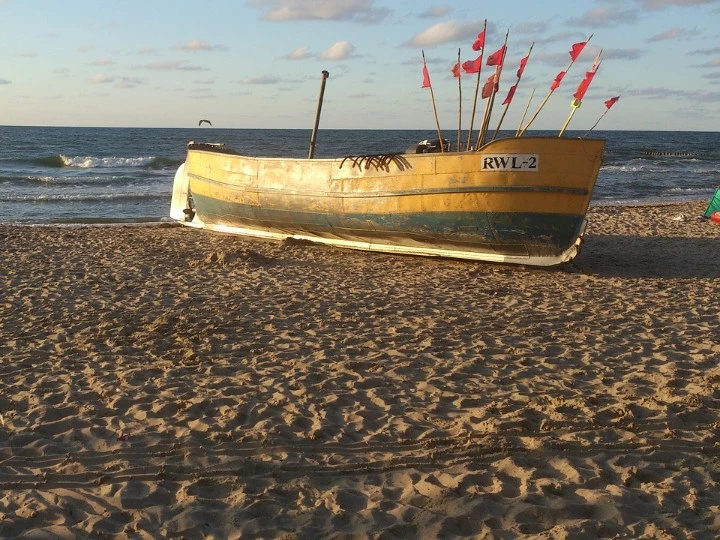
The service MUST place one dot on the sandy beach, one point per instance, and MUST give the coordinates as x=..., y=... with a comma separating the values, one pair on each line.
x=165, y=382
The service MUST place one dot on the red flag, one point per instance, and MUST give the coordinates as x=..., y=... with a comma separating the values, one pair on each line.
x=426, y=78
x=479, y=42
x=585, y=83
x=496, y=58
x=583, y=86
x=612, y=101
x=473, y=66
x=510, y=95
x=456, y=70
x=576, y=50
x=556, y=82
x=522, y=66
x=489, y=87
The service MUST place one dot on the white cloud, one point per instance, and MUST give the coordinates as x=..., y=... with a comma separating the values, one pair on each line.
x=328, y=10
x=100, y=79
x=712, y=63
x=434, y=12
x=662, y=4
x=445, y=32
x=27, y=54
x=299, y=54
x=101, y=62
x=129, y=82
x=712, y=50
x=338, y=51
x=534, y=28
x=605, y=16
x=561, y=37
x=673, y=33
x=267, y=79
x=195, y=45
x=623, y=54
x=171, y=66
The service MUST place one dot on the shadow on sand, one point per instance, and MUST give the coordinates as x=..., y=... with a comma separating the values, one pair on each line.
x=650, y=257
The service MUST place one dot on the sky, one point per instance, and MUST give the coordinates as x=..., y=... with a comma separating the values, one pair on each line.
x=258, y=63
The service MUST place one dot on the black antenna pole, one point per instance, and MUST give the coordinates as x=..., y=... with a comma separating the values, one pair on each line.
x=325, y=76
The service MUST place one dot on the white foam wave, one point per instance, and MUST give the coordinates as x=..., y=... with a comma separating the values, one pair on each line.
x=695, y=190
x=79, y=197
x=622, y=168
x=88, y=162
x=638, y=167
x=42, y=179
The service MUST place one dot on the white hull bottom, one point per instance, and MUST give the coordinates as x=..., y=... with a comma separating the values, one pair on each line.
x=564, y=257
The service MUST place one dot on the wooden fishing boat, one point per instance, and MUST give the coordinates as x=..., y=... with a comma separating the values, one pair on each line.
x=516, y=200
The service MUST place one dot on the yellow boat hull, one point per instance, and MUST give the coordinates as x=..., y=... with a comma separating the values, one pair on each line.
x=518, y=200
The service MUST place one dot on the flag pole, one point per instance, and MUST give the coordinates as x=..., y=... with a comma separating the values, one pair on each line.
x=582, y=88
x=485, y=113
x=486, y=116
x=572, y=61
x=472, y=116
x=601, y=116
x=507, y=106
x=523, y=130
x=477, y=89
x=575, y=106
x=532, y=94
x=595, y=124
x=459, y=136
x=313, y=135
x=432, y=97
x=491, y=99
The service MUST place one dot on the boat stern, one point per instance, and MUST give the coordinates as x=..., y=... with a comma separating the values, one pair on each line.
x=181, y=206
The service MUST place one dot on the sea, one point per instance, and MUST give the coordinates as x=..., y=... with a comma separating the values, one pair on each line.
x=67, y=175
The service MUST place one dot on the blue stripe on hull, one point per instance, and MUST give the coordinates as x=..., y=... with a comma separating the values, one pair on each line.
x=503, y=232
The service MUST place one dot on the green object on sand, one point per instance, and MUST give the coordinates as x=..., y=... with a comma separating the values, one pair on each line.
x=714, y=205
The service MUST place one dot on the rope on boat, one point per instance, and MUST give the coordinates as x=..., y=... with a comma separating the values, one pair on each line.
x=218, y=148
x=671, y=154
x=378, y=161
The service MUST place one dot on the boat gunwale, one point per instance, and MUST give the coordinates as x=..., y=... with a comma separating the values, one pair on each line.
x=222, y=150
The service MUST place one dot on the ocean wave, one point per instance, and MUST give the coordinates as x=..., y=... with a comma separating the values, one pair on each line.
x=91, y=162
x=37, y=180
x=25, y=181
x=694, y=190
x=105, y=162
x=82, y=197
x=637, y=167
x=89, y=221
x=165, y=163
x=55, y=161
x=82, y=181
x=660, y=168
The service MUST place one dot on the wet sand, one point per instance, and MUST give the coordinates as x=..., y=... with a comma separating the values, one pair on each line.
x=169, y=382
